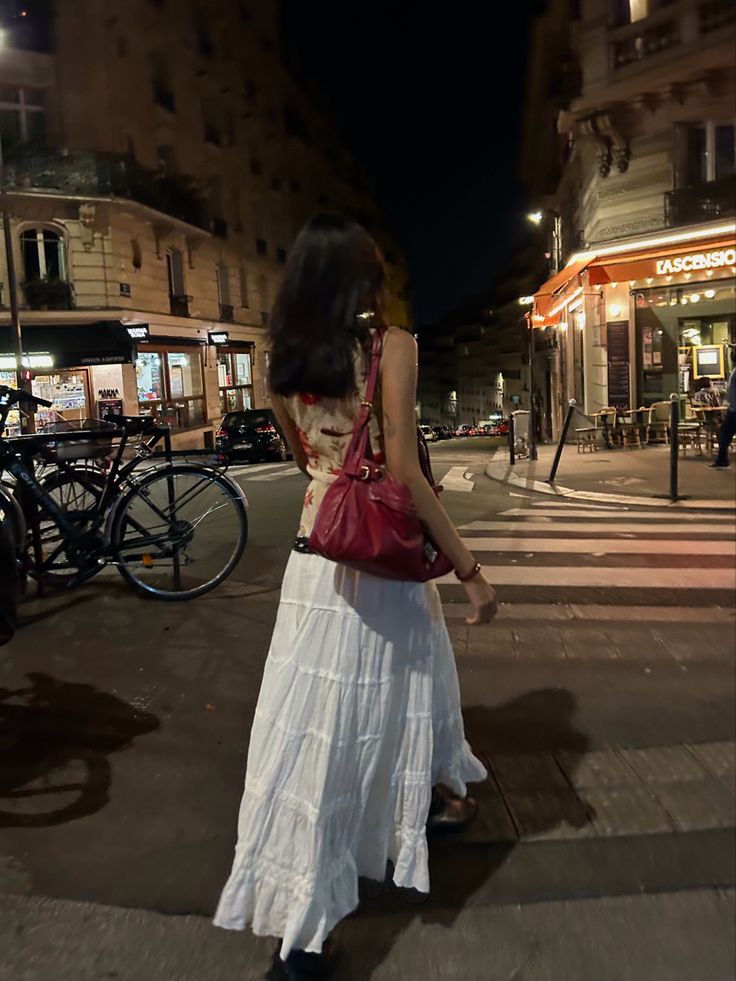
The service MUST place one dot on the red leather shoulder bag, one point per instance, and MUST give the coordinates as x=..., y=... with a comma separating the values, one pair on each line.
x=367, y=519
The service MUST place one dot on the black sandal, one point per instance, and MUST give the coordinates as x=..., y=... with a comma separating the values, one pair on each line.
x=442, y=819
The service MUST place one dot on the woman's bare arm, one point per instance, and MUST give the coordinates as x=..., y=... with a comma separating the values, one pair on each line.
x=290, y=431
x=398, y=393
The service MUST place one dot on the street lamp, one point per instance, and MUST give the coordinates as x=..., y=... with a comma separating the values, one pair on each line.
x=10, y=260
x=535, y=217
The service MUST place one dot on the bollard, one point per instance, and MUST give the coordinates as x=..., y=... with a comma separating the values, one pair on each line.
x=512, y=441
x=674, y=444
x=606, y=433
x=561, y=442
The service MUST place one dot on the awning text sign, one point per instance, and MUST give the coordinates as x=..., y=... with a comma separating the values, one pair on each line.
x=695, y=261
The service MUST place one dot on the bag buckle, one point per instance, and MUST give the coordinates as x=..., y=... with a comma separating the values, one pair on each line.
x=367, y=473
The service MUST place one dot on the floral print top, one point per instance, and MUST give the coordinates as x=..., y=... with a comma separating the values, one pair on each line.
x=325, y=426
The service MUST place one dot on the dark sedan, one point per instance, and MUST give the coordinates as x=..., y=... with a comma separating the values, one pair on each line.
x=251, y=434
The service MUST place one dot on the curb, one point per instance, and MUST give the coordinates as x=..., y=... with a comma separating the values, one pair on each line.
x=503, y=473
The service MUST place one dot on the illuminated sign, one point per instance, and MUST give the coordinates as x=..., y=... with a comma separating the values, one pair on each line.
x=218, y=337
x=695, y=261
x=138, y=332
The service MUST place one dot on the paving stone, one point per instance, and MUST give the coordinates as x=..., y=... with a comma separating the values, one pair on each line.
x=541, y=643
x=625, y=811
x=598, y=768
x=664, y=764
x=637, y=643
x=698, y=643
x=491, y=641
x=555, y=814
x=719, y=759
x=697, y=806
x=587, y=643
x=527, y=772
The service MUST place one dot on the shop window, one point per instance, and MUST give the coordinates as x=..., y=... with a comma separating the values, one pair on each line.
x=170, y=387
x=22, y=115
x=235, y=379
x=43, y=254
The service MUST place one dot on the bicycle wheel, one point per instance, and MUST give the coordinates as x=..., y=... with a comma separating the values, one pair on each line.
x=179, y=531
x=77, y=491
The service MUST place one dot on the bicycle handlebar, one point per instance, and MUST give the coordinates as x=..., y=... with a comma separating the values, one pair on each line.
x=13, y=396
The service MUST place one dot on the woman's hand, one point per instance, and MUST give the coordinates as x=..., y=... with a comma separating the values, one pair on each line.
x=482, y=597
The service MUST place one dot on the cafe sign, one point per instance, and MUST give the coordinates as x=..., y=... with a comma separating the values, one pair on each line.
x=695, y=261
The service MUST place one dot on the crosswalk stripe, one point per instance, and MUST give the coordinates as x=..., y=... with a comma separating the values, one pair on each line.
x=602, y=546
x=612, y=514
x=454, y=480
x=550, y=525
x=604, y=577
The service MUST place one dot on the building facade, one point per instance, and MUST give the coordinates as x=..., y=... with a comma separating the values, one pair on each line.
x=158, y=160
x=639, y=201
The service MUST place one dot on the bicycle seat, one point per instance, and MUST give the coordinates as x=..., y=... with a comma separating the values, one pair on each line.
x=133, y=425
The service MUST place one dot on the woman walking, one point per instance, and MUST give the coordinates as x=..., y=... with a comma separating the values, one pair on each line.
x=358, y=716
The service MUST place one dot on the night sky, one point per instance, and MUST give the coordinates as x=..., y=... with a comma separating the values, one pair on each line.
x=430, y=105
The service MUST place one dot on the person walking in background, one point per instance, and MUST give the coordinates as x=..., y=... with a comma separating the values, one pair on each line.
x=728, y=426
x=358, y=715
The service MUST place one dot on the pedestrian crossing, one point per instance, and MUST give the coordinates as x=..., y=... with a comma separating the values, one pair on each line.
x=549, y=552
x=454, y=478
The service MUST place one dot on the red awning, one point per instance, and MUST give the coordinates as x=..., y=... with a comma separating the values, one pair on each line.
x=549, y=299
x=641, y=265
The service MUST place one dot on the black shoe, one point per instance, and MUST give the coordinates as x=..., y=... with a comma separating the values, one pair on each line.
x=300, y=965
x=718, y=466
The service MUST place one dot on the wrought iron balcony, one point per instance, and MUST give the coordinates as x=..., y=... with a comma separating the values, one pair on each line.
x=104, y=175
x=179, y=304
x=703, y=202
x=48, y=294
x=227, y=313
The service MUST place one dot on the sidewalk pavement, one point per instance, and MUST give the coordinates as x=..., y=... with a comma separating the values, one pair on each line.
x=623, y=476
x=681, y=936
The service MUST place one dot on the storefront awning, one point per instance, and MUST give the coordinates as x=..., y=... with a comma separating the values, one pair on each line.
x=645, y=264
x=550, y=299
x=72, y=345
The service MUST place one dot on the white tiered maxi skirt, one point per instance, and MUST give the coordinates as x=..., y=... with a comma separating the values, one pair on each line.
x=358, y=716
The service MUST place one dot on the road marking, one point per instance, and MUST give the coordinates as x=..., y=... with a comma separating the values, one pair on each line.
x=562, y=613
x=672, y=527
x=602, y=546
x=604, y=577
x=570, y=511
x=266, y=477
x=454, y=480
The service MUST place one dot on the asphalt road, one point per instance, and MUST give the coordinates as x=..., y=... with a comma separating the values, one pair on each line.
x=126, y=721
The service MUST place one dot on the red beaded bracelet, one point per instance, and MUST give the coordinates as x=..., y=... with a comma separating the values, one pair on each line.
x=471, y=575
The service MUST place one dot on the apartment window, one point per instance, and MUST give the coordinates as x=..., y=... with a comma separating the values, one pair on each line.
x=244, y=300
x=163, y=93
x=136, y=254
x=202, y=33
x=212, y=122
x=281, y=256
x=223, y=291
x=166, y=160
x=263, y=295
x=43, y=255
x=170, y=387
x=255, y=167
x=261, y=246
x=22, y=114
x=711, y=152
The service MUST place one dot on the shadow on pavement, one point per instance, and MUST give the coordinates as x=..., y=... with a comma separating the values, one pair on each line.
x=541, y=721
x=57, y=737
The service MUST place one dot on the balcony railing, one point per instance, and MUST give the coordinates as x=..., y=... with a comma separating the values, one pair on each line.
x=704, y=202
x=104, y=175
x=646, y=41
x=179, y=304
x=48, y=294
x=227, y=312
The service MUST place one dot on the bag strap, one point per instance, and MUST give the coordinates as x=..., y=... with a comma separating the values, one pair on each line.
x=358, y=446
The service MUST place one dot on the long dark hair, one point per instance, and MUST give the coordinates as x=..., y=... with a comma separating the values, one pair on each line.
x=331, y=294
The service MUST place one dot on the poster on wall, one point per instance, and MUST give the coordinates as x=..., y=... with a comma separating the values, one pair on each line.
x=619, y=381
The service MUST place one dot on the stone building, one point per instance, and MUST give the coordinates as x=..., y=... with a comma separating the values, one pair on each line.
x=158, y=160
x=638, y=197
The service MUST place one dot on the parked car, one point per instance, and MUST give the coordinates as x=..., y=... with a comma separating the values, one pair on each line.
x=428, y=433
x=501, y=428
x=464, y=431
x=251, y=434
x=443, y=432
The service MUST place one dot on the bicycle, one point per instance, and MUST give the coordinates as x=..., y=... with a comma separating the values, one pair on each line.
x=174, y=531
